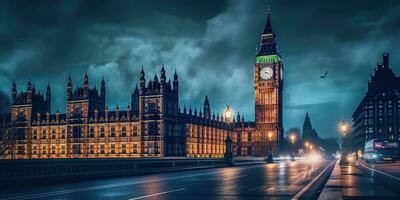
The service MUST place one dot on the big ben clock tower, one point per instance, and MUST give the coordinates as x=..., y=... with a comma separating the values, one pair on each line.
x=268, y=86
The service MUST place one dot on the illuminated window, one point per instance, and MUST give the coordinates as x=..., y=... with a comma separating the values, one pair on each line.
x=135, y=151
x=135, y=131
x=123, y=131
x=53, y=149
x=123, y=151
x=43, y=134
x=102, y=151
x=102, y=131
x=112, y=134
x=53, y=133
x=112, y=148
x=62, y=133
x=62, y=149
x=91, y=147
x=34, y=149
x=91, y=132
x=34, y=134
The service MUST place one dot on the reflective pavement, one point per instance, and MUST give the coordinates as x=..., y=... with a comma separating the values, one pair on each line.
x=281, y=180
x=354, y=182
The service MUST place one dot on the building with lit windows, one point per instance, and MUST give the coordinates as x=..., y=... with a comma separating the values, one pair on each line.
x=152, y=125
x=378, y=114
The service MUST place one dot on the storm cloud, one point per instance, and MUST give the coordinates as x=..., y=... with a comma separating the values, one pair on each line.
x=210, y=43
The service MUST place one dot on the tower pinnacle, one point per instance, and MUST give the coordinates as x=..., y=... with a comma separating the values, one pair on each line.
x=268, y=27
x=267, y=43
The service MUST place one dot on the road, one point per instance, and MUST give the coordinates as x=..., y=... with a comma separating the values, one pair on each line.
x=281, y=180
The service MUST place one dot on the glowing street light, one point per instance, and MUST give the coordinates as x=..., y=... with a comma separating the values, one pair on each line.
x=292, y=138
x=228, y=114
x=343, y=128
x=270, y=136
x=270, y=158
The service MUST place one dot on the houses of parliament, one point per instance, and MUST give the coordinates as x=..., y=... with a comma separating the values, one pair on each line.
x=152, y=125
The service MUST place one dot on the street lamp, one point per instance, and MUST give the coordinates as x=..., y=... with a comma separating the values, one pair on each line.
x=343, y=128
x=270, y=156
x=307, y=145
x=228, y=114
x=292, y=139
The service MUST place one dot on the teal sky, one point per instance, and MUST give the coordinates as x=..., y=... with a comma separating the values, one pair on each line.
x=210, y=43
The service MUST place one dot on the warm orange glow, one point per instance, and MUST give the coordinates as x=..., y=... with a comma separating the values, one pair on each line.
x=228, y=114
x=292, y=138
x=270, y=136
x=343, y=128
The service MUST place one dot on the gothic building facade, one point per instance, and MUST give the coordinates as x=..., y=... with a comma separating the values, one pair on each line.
x=268, y=87
x=151, y=125
x=378, y=114
x=309, y=133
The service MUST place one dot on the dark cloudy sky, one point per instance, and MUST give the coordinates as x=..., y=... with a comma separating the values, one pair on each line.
x=211, y=43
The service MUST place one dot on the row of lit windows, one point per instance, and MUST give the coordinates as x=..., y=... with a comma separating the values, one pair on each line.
x=370, y=113
x=370, y=121
x=380, y=129
x=215, y=136
x=102, y=149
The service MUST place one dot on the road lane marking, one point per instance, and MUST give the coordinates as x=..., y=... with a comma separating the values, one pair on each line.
x=227, y=179
x=302, y=191
x=157, y=194
x=375, y=170
x=61, y=192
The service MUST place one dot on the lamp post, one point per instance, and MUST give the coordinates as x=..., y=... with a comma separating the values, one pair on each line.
x=270, y=158
x=343, y=128
x=228, y=114
x=307, y=145
x=292, y=138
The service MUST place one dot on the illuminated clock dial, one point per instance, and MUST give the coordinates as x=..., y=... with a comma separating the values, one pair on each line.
x=266, y=73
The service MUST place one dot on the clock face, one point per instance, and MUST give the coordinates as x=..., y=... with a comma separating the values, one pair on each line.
x=266, y=73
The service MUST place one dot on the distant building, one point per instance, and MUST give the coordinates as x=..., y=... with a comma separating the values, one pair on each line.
x=378, y=114
x=309, y=134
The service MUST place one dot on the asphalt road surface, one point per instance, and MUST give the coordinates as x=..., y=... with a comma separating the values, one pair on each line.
x=281, y=180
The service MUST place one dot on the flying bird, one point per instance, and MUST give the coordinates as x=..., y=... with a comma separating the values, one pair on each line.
x=324, y=76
